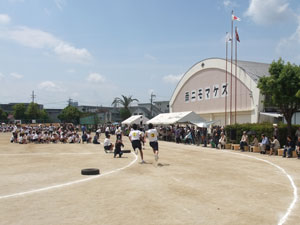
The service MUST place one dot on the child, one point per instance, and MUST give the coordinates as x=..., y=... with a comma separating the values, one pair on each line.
x=152, y=134
x=108, y=146
x=119, y=144
x=135, y=139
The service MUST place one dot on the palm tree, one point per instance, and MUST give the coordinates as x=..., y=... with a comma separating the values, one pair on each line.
x=125, y=102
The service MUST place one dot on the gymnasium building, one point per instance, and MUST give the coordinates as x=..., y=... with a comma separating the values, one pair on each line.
x=204, y=90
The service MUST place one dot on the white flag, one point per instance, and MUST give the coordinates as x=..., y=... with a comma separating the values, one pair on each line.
x=228, y=37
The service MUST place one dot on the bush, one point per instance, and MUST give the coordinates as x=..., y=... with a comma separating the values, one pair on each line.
x=258, y=129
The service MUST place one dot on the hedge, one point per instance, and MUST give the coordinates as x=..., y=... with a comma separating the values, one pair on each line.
x=258, y=129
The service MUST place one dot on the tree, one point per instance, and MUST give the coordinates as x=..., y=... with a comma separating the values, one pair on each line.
x=33, y=111
x=282, y=88
x=19, y=111
x=3, y=115
x=70, y=114
x=125, y=102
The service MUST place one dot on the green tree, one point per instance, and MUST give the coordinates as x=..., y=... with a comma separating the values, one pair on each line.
x=3, y=115
x=19, y=111
x=43, y=115
x=125, y=103
x=70, y=114
x=33, y=111
x=282, y=88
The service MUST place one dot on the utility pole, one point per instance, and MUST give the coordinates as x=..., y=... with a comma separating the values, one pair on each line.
x=32, y=97
x=151, y=100
x=70, y=101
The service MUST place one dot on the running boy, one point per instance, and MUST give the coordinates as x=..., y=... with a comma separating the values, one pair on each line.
x=134, y=137
x=152, y=134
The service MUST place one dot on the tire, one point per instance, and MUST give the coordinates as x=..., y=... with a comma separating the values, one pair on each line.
x=126, y=151
x=90, y=171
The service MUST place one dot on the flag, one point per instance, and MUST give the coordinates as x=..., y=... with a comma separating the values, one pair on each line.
x=237, y=37
x=235, y=18
x=228, y=37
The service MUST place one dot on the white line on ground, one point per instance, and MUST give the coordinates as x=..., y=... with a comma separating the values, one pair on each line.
x=68, y=183
x=48, y=153
x=295, y=191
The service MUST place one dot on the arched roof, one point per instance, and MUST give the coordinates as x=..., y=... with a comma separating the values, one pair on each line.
x=253, y=70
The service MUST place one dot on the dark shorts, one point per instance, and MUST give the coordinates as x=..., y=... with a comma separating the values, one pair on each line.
x=107, y=147
x=136, y=144
x=154, y=145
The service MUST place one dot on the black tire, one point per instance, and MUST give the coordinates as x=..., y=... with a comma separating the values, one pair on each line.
x=90, y=171
x=126, y=151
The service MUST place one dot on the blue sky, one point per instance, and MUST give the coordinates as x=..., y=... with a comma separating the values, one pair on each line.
x=95, y=50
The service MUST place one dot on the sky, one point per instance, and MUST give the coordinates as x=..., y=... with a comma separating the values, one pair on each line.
x=95, y=50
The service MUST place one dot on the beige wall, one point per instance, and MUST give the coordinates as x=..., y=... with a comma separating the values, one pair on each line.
x=209, y=78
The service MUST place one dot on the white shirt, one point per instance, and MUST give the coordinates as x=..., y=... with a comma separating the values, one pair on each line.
x=152, y=134
x=106, y=142
x=135, y=135
x=107, y=129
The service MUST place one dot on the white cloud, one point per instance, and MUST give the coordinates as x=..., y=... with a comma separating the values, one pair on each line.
x=151, y=57
x=172, y=78
x=269, y=11
x=4, y=19
x=289, y=47
x=60, y=4
x=96, y=77
x=1, y=76
x=16, y=75
x=49, y=86
x=71, y=71
x=35, y=38
x=229, y=4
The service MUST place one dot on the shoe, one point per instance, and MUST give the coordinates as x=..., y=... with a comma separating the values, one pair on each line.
x=283, y=156
x=289, y=157
x=156, y=158
x=142, y=162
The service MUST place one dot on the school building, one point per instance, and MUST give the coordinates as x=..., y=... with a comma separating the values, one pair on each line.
x=205, y=90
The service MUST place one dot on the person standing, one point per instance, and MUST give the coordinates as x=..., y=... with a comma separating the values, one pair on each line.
x=152, y=134
x=135, y=138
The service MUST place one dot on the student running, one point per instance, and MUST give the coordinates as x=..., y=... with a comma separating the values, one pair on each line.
x=134, y=137
x=152, y=134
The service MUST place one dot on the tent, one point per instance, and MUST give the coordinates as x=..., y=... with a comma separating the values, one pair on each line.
x=178, y=117
x=205, y=124
x=271, y=114
x=137, y=119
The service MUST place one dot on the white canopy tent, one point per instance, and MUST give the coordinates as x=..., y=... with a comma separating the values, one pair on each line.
x=271, y=114
x=205, y=124
x=137, y=119
x=178, y=117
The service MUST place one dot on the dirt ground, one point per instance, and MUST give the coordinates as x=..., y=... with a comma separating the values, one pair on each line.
x=39, y=185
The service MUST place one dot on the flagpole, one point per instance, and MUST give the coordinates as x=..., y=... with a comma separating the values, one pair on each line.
x=226, y=81
x=231, y=69
x=235, y=103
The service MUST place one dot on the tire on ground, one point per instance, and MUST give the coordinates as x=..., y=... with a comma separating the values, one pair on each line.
x=90, y=171
x=126, y=151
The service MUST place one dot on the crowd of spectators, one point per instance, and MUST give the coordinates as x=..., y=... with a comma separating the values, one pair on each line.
x=216, y=138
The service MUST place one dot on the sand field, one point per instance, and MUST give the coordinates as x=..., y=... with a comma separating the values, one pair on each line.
x=41, y=184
